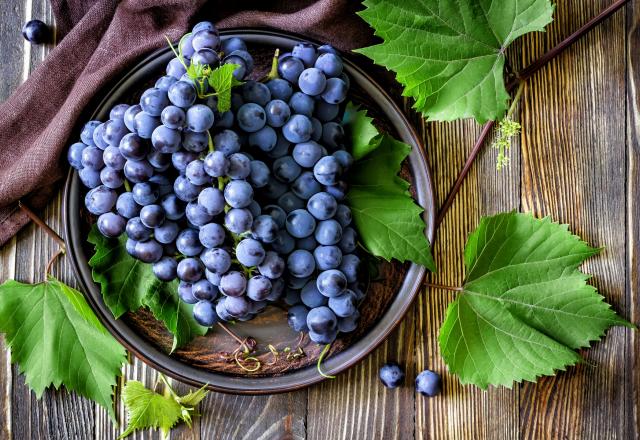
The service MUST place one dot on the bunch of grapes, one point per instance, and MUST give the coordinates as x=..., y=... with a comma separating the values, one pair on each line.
x=244, y=207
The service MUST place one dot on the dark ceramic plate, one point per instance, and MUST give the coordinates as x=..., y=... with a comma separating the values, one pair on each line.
x=205, y=360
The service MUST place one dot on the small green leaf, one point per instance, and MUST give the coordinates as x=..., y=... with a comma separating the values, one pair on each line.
x=128, y=284
x=450, y=55
x=147, y=409
x=56, y=339
x=388, y=220
x=222, y=81
x=362, y=135
x=525, y=306
x=196, y=71
x=193, y=398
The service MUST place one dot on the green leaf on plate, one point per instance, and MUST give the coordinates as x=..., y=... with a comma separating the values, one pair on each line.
x=361, y=134
x=56, y=339
x=128, y=284
x=222, y=81
x=387, y=219
x=525, y=306
x=450, y=55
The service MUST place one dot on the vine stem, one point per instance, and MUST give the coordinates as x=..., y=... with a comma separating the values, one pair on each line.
x=519, y=79
x=234, y=336
x=516, y=98
x=323, y=354
x=532, y=68
x=53, y=258
x=465, y=170
x=442, y=286
x=165, y=381
x=210, y=142
x=273, y=72
x=38, y=221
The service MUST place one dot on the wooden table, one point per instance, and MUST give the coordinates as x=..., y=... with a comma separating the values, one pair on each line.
x=576, y=160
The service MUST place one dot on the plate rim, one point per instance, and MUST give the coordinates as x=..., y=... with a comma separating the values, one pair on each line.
x=286, y=382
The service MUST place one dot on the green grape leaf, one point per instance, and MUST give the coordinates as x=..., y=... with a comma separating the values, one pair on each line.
x=128, y=284
x=189, y=403
x=525, y=306
x=450, y=56
x=148, y=409
x=193, y=398
x=222, y=81
x=56, y=339
x=387, y=219
x=361, y=134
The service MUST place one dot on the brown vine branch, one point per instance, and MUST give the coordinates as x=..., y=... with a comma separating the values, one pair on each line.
x=442, y=286
x=536, y=65
x=38, y=221
x=465, y=170
x=521, y=76
x=53, y=258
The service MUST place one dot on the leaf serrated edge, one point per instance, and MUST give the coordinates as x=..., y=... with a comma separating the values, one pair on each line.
x=617, y=320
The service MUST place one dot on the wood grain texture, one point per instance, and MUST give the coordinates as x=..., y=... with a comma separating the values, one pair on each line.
x=632, y=58
x=573, y=169
x=232, y=417
x=578, y=160
x=12, y=77
x=356, y=406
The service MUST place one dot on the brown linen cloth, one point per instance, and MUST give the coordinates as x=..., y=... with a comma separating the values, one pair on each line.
x=97, y=41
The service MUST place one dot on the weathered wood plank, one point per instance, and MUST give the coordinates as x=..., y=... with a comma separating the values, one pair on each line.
x=573, y=168
x=11, y=16
x=355, y=405
x=230, y=417
x=631, y=371
x=7, y=271
x=12, y=46
x=461, y=412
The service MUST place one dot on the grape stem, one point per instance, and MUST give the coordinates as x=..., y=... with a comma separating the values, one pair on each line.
x=163, y=379
x=273, y=73
x=515, y=100
x=256, y=367
x=519, y=79
x=38, y=221
x=178, y=55
x=211, y=146
x=242, y=342
x=323, y=354
x=274, y=353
